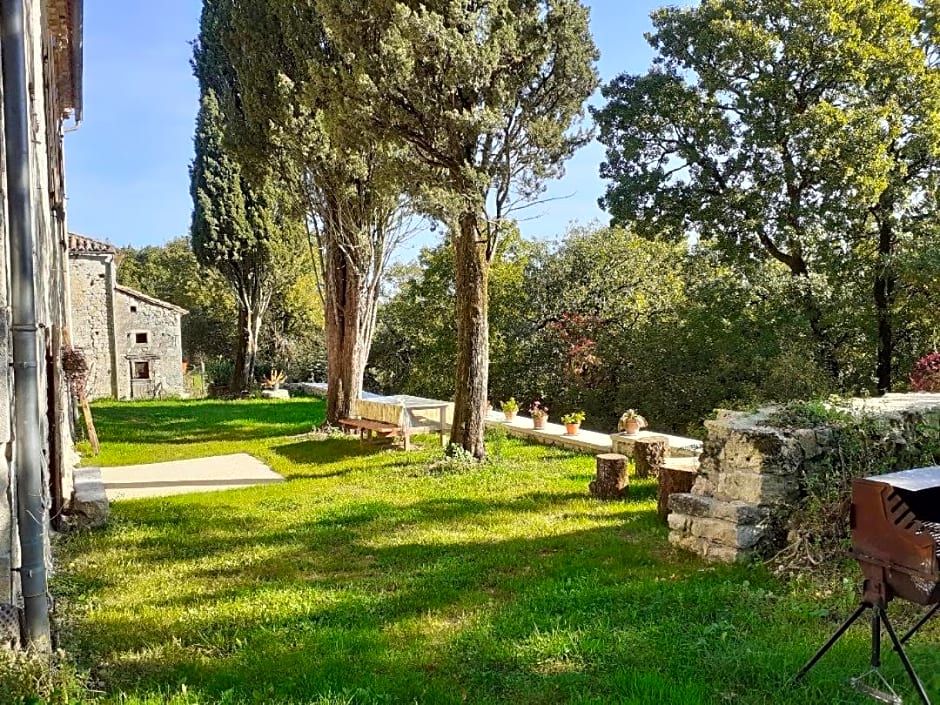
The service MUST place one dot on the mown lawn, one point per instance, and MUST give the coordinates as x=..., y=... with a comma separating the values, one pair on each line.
x=367, y=579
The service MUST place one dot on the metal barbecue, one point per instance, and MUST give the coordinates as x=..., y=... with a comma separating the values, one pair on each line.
x=895, y=524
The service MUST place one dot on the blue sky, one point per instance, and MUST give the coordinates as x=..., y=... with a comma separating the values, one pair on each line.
x=128, y=179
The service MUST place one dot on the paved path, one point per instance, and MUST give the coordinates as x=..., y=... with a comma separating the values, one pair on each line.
x=222, y=472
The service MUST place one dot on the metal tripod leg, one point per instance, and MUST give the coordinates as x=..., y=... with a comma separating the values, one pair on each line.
x=923, y=620
x=832, y=640
x=918, y=686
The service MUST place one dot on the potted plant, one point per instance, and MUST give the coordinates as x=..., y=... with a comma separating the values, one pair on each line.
x=572, y=422
x=631, y=422
x=539, y=414
x=274, y=380
x=510, y=408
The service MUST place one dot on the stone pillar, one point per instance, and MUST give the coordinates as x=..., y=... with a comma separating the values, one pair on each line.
x=611, y=481
x=649, y=454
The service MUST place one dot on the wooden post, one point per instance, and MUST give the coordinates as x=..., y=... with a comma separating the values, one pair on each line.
x=611, y=481
x=649, y=454
x=676, y=476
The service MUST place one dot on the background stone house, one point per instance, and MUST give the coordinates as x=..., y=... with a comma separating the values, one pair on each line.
x=32, y=204
x=132, y=341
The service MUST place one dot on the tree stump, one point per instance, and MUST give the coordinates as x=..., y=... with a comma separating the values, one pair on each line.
x=649, y=454
x=676, y=476
x=611, y=481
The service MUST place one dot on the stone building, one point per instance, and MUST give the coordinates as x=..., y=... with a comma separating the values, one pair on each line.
x=132, y=341
x=41, y=71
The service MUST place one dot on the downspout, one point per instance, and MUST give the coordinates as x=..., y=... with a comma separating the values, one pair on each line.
x=31, y=512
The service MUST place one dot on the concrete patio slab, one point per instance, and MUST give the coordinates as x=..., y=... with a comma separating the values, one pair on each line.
x=221, y=472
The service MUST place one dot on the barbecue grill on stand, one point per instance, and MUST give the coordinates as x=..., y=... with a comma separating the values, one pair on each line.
x=896, y=540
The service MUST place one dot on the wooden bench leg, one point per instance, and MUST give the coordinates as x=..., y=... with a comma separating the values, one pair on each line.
x=407, y=438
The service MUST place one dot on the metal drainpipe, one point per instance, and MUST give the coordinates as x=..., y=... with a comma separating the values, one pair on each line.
x=31, y=510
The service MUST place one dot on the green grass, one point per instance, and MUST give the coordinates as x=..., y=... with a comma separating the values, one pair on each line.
x=364, y=579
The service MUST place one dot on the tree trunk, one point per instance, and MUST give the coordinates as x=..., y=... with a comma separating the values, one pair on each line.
x=611, y=481
x=649, y=454
x=249, y=328
x=473, y=348
x=239, y=378
x=885, y=284
x=350, y=307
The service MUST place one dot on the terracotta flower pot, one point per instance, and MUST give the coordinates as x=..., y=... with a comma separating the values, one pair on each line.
x=632, y=427
x=510, y=415
x=571, y=429
x=538, y=422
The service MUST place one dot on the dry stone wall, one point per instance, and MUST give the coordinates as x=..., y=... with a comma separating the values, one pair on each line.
x=753, y=475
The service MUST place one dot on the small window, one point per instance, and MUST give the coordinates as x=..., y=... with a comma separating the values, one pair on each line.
x=133, y=309
x=142, y=338
x=141, y=370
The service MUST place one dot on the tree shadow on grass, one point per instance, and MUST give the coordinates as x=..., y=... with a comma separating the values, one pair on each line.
x=581, y=616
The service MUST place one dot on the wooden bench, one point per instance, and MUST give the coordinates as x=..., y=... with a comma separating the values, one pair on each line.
x=368, y=427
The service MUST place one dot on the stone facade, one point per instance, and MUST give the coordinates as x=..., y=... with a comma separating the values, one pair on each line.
x=753, y=475
x=132, y=341
x=52, y=40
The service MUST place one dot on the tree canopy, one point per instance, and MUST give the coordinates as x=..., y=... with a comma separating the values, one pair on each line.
x=802, y=133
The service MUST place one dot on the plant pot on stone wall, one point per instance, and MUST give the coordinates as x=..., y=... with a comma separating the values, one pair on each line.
x=538, y=422
x=571, y=429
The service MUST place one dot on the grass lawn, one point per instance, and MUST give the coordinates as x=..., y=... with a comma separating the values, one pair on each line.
x=366, y=579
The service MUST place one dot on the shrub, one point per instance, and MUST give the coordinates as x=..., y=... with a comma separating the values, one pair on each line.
x=925, y=376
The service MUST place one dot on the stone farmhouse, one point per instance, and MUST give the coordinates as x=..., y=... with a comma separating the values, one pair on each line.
x=132, y=341
x=41, y=90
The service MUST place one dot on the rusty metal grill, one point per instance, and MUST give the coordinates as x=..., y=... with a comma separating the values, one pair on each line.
x=896, y=540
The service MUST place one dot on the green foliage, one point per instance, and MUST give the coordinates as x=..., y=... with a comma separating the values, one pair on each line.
x=573, y=417
x=510, y=406
x=604, y=322
x=171, y=272
x=801, y=134
x=29, y=679
x=859, y=444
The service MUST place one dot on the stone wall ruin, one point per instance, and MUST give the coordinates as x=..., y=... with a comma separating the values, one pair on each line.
x=753, y=475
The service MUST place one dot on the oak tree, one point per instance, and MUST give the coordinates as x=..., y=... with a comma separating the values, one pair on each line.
x=803, y=133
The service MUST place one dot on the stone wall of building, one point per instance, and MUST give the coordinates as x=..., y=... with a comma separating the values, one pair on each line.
x=46, y=180
x=138, y=320
x=753, y=475
x=91, y=279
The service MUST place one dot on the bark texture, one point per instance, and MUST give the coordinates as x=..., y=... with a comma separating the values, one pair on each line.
x=649, y=454
x=473, y=347
x=350, y=307
x=674, y=478
x=611, y=481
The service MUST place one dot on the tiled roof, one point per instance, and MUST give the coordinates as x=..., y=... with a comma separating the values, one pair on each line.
x=140, y=296
x=82, y=244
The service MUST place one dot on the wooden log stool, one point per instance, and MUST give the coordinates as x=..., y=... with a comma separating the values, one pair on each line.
x=611, y=481
x=649, y=454
x=676, y=476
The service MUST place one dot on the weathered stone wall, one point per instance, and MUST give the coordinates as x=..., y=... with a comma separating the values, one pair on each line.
x=46, y=179
x=752, y=475
x=163, y=350
x=92, y=284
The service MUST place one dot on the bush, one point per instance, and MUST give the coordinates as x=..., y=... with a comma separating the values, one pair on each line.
x=926, y=374
x=862, y=445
